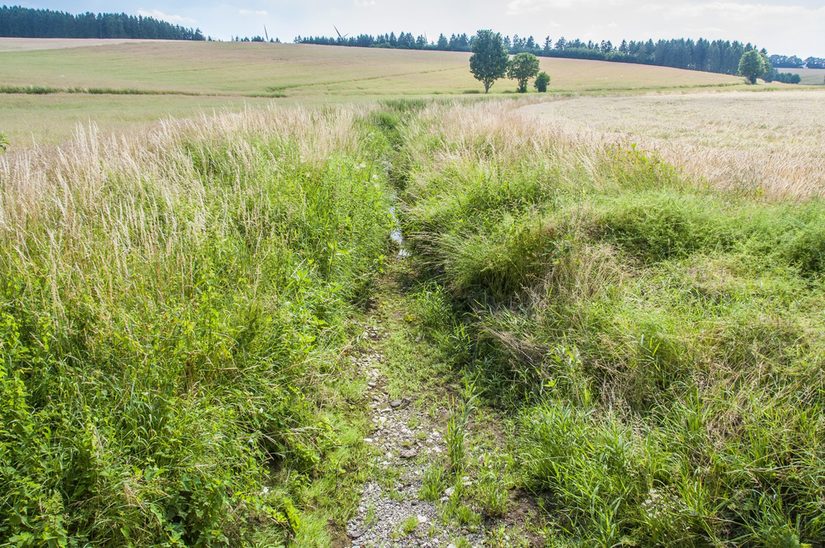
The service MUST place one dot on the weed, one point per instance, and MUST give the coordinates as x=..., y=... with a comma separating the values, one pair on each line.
x=434, y=483
x=370, y=517
x=457, y=430
x=409, y=525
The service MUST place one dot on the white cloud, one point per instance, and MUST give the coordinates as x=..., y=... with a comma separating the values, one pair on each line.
x=157, y=14
x=364, y=3
x=518, y=7
x=259, y=13
x=679, y=8
x=724, y=9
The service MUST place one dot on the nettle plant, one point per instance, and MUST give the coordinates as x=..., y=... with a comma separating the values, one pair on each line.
x=4, y=142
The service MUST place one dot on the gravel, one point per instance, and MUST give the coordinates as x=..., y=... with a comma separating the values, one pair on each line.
x=405, y=453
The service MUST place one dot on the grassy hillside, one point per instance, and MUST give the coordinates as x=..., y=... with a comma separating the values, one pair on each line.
x=305, y=70
x=34, y=44
x=245, y=74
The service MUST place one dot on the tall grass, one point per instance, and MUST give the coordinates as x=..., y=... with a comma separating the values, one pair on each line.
x=660, y=342
x=171, y=306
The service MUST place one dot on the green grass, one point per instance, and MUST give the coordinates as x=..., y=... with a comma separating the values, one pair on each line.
x=168, y=366
x=660, y=343
x=637, y=353
x=53, y=119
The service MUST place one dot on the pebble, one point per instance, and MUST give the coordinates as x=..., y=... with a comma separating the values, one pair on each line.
x=389, y=509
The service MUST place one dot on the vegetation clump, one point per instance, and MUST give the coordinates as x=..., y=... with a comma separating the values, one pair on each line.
x=542, y=81
x=167, y=325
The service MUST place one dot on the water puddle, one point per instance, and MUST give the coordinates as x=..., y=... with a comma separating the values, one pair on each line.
x=396, y=235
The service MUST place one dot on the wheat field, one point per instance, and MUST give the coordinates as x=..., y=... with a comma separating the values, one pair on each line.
x=185, y=78
x=772, y=142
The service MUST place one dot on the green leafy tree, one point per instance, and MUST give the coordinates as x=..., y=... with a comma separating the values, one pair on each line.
x=521, y=68
x=489, y=60
x=542, y=81
x=752, y=66
x=767, y=71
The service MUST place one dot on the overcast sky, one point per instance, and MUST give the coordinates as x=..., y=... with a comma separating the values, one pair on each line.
x=788, y=27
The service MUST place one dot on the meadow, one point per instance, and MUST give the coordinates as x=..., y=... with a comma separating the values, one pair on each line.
x=612, y=306
x=185, y=79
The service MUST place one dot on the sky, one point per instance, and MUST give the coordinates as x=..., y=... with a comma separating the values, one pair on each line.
x=783, y=27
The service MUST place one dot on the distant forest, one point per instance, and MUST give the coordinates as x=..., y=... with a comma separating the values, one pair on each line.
x=20, y=22
x=783, y=61
x=720, y=56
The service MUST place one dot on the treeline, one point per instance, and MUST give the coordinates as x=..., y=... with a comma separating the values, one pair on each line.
x=785, y=77
x=720, y=56
x=20, y=22
x=783, y=61
x=256, y=38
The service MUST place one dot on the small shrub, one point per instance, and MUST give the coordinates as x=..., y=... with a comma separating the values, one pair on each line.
x=542, y=81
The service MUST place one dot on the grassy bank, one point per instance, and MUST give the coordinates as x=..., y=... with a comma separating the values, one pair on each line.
x=658, y=343
x=634, y=356
x=171, y=312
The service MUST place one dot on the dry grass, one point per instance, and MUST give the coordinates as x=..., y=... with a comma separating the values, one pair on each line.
x=231, y=68
x=297, y=74
x=35, y=44
x=765, y=141
x=66, y=181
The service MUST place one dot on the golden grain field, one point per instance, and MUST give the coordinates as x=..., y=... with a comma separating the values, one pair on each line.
x=202, y=76
x=770, y=141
